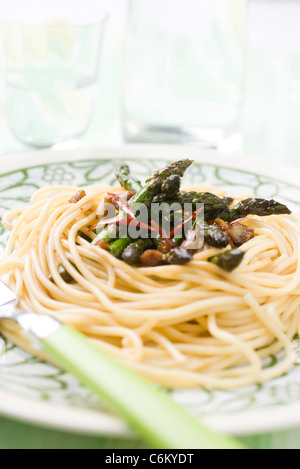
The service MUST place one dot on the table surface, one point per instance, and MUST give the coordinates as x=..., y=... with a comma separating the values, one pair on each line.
x=270, y=130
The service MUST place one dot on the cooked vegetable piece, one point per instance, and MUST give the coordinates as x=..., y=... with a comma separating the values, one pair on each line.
x=151, y=189
x=171, y=185
x=126, y=179
x=102, y=244
x=213, y=205
x=155, y=183
x=122, y=243
x=178, y=167
x=228, y=260
x=260, y=207
x=151, y=257
x=227, y=201
x=219, y=228
x=211, y=234
x=169, y=189
x=164, y=246
x=84, y=236
x=239, y=233
x=117, y=247
x=215, y=237
x=223, y=225
x=178, y=256
x=78, y=196
x=185, y=223
x=132, y=253
x=63, y=273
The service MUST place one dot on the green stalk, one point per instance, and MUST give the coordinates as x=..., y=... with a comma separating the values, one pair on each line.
x=150, y=411
x=117, y=247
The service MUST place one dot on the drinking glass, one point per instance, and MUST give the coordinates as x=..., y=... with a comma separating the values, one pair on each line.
x=183, y=70
x=51, y=54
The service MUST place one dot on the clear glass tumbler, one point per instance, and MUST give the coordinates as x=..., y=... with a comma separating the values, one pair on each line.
x=51, y=56
x=184, y=70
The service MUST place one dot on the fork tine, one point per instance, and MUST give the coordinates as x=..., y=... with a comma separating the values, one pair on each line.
x=7, y=296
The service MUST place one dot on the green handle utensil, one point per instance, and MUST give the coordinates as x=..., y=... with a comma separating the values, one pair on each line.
x=159, y=421
x=147, y=409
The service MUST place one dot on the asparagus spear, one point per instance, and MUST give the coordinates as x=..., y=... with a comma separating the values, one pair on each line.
x=164, y=185
x=117, y=247
x=227, y=201
x=169, y=189
x=178, y=167
x=228, y=260
x=218, y=207
x=152, y=188
x=157, y=183
x=260, y=207
x=126, y=179
x=213, y=205
x=213, y=235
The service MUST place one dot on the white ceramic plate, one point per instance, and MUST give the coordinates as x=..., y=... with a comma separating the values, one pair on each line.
x=38, y=393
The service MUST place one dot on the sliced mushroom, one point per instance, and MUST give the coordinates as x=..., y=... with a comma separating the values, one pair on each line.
x=78, y=196
x=239, y=234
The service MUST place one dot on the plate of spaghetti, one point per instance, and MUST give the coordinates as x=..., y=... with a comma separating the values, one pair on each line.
x=183, y=264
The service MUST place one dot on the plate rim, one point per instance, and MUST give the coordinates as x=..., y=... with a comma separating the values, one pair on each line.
x=32, y=158
x=93, y=422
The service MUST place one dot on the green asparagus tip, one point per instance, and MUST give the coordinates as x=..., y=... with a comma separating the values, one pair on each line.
x=228, y=260
x=259, y=207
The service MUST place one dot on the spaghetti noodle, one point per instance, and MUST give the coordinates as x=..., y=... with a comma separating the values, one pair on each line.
x=180, y=325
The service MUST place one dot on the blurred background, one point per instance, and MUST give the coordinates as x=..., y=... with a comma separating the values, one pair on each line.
x=270, y=106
